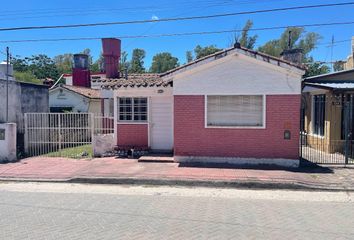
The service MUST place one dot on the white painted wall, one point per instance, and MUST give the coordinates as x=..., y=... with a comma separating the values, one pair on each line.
x=8, y=146
x=66, y=98
x=237, y=74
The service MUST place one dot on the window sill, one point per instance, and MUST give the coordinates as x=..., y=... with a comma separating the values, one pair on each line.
x=236, y=127
x=131, y=122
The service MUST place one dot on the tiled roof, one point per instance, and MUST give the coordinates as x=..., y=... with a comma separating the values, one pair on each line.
x=86, y=92
x=136, y=80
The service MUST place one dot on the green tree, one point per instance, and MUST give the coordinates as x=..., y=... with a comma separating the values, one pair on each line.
x=189, y=56
x=244, y=39
x=299, y=39
x=64, y=62
x=162, y=62
x=338, y=66
x=97, y=66
x=26, y=77
x=137, y=62
x=315, y=68
x=205, y=51
x=41, y=66
x=124, y=63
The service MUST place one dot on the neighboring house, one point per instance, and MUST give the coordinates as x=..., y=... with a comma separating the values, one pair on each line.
x=328, y=108
x=94, y=77
x=65, y=98
x=22, y=98
x=235, y=106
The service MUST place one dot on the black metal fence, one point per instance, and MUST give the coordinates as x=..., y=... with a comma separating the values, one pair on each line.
x=327, y=128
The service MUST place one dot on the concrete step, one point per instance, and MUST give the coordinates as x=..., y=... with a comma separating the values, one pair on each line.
x=156, y=159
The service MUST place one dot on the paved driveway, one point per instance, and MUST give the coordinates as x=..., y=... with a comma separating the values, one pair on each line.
x=112, y=212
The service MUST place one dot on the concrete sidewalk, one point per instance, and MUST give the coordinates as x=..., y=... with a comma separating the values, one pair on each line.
x=130, y=171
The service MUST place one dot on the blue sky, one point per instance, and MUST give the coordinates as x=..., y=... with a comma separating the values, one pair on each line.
x=43, y=12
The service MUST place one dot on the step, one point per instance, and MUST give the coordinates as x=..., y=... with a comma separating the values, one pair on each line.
x=156, y=159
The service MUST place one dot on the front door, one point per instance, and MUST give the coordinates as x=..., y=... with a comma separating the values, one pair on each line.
x=161, y=124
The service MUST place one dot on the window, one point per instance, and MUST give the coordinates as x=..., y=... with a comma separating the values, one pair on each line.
x=319, y=104
x=132, y=109
x=235, y=111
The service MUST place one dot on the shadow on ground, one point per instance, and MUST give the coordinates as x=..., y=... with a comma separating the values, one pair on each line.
x=305, y=167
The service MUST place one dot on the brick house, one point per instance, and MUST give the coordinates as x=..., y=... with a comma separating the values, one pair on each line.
x=234, y=106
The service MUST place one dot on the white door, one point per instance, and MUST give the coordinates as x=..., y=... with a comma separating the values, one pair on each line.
x=161, y=128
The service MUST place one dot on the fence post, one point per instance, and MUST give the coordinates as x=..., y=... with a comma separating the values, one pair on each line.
x=346, y=131
x=92, y=132
x=26, y=133
x=59, y=133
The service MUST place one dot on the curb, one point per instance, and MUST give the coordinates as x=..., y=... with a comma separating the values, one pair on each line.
x=240, y=184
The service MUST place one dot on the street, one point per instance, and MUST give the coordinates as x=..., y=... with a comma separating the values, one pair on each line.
x=79, y=211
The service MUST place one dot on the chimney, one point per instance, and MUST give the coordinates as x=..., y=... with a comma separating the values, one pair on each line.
x=111, y=54
x=81, y=72
x=293, y=55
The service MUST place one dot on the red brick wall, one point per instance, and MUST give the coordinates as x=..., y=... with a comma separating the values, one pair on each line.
x=191, y=138
x=132, y=135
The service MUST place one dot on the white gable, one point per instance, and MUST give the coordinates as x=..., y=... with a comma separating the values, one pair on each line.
x=61, y=97
x=237, y=74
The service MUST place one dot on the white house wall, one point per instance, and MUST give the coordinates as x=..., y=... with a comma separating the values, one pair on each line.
x=237, y=74
x=67, y=98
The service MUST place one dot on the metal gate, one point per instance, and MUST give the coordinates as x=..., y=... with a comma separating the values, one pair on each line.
x=64, y=134
x=327, y=128
x=58, y=134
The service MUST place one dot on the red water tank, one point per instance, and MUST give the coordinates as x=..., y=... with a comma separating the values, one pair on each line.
x=111, y=53
x=81, y=72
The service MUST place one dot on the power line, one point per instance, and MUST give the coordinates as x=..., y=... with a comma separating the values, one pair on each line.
x=176, y=19
x=181, y=34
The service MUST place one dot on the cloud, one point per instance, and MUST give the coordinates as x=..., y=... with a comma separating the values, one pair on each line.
x=154, y=17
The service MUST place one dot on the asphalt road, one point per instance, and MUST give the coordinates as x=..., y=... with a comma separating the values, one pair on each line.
x=74, y=211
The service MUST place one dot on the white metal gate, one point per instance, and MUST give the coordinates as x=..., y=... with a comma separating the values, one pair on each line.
x=58, y=134
x=64, y=134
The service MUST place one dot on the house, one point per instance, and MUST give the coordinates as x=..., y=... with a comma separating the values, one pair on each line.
x=327, y=109
x=234, y=106
x=22, y=98
x=67, y=98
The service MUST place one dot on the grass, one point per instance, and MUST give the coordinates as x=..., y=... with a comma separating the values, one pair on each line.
x=74, y=152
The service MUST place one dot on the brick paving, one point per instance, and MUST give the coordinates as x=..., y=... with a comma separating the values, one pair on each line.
x=63, y=215
x=113, y=168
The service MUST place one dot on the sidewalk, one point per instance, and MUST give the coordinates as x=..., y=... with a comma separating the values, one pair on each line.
x=130, y=171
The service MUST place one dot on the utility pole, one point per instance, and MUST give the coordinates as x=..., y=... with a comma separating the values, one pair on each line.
x=7, y=82
x=332, y=46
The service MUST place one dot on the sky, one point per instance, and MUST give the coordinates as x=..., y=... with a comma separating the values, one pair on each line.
x=18, y=13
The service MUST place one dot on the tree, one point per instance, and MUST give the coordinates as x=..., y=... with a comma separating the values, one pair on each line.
x=315, y=68
x=244, y=39
x=124, y=63
x=307, y=42
x=26, y=77
x=64, y=62
x=41, y=66
x=338, y=66
x=189, y=56
x=97, y=66
x=162, y=62
x=137, y=62
x=205, y=51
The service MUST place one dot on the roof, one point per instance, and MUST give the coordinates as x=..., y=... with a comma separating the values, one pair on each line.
x=263, y=56
x=150, y=80
x=136, y=80
x=86, y=92
x=333, y=74
x=333, y=85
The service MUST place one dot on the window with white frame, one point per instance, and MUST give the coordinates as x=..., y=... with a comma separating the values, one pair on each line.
x=235, y=111
x=132, y=109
